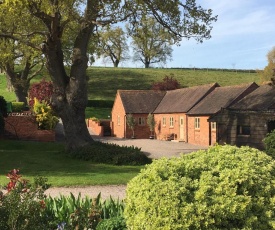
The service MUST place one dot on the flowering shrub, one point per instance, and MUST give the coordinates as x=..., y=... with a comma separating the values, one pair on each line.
x=42, y=91
x=167, y=83
x=23, y=202
x=44, y=115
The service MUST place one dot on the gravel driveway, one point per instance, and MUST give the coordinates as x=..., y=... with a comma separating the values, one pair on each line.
x=154, y=149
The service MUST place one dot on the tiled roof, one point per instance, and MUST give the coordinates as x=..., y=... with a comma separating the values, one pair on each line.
x=261, y=99
x=182, y=100
x=140, y=101
x=221, y=97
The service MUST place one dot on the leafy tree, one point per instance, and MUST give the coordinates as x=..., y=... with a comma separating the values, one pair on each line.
x=267, y=74
x=18, y=61
x=167, y=83
x=53, y=21
x=224, y=187
x=151, y=122
x=20, y=67
x=113, y=43
x=131, y=122
x=151, y=42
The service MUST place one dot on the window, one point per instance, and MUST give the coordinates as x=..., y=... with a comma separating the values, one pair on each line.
x=164, y=121
x=141, y=121
x=197, y=123
x=118, y=120
x=213, y=125
x=171, y=121
x=243, y=130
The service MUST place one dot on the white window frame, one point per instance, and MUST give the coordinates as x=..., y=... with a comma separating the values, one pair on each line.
x=213, y=126
x=118, y=120
x=164, y=121
x=171, y=121
x=141, y=121
x=197, y=123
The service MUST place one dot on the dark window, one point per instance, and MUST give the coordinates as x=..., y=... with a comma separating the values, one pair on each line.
x=243, y=130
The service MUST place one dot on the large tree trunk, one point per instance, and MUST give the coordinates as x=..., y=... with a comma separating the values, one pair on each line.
x=116, y=63
x=70, y=92
x=19, y=82
x=21, y=93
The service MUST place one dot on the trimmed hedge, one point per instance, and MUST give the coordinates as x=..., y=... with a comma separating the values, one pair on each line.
x=17, y=106
x=224, y=187
x=111, y=154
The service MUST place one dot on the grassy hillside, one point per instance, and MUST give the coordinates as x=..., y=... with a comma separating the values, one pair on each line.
x=104, y=82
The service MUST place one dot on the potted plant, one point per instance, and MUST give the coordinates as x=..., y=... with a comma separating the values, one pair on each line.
x=151, y=123
x=131, y=122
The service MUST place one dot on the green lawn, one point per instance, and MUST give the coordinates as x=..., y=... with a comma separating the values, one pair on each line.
x=46, y=159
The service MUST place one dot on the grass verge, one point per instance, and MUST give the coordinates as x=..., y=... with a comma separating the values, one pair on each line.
x=46, y=159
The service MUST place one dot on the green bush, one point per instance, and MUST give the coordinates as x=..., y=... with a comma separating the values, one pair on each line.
x=269, y=142
x=3, y=106
x=224, y=187
x=115, y=223
x=17, y=106
x=111, y=154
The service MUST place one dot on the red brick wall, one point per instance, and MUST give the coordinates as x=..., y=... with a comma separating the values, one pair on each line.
x=162, y=131
x=199, y=136
x=23, y=126
x=141, y=131
x=96, y=127
x=118, y=128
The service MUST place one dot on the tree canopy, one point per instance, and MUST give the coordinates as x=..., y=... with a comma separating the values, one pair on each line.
x=151, y=42
x=267, y=74
x=113, y=45
x=53, y=22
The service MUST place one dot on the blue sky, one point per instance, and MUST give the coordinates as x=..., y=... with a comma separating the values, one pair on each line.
x=241, y=38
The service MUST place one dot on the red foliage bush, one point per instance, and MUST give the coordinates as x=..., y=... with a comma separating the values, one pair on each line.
x=42, y=90
x=167, y=83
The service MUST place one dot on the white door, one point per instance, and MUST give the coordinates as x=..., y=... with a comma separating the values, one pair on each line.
x=181, y=128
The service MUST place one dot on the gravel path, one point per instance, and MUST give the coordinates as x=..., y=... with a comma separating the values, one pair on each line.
x=154, y=149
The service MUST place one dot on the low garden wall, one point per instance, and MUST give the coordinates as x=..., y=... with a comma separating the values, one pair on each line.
x=22, y=126
x=96, y=127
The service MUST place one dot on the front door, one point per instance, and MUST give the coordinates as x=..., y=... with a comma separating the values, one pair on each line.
x=181, y=128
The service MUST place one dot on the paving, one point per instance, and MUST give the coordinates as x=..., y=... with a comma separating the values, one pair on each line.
x=154, y=149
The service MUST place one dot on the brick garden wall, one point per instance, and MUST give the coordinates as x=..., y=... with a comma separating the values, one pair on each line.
x=22, y=126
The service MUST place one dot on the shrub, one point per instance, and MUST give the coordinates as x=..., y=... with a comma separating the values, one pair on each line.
x=3, y=113
x=115, y=223
x=18, y=106
x=269, y=143
x=42, y=91
x=3, y=106
x=167, y=83
x=21, y=206
x=224, y=187
x=44, y=115
x=110, y=154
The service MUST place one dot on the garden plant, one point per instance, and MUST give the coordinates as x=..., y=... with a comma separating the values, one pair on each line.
x=224, y=187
